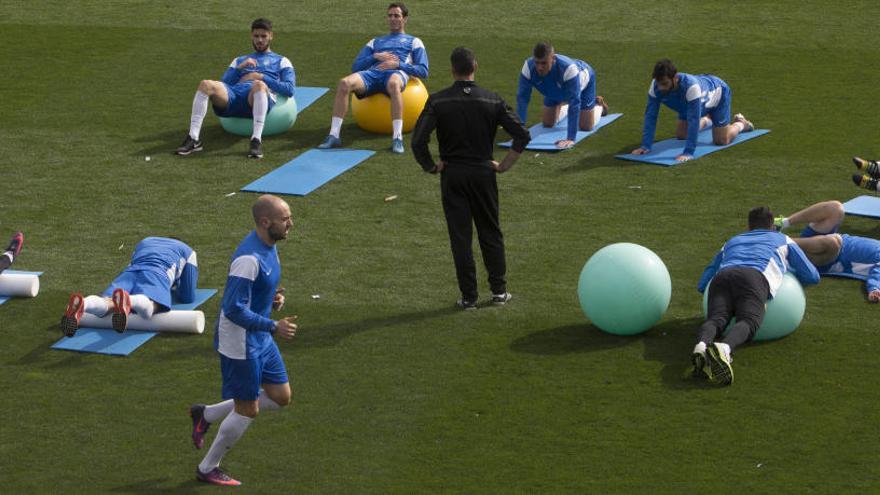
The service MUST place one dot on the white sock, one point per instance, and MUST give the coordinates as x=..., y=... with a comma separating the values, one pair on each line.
x=9, y=255
x=218, y=411
x=335, y=126
x=563, y=113
x=786, y=223
x=739, y=125
x=597, y=114
x=261, y=106
x=725, y=349
x=700, y=348
x=267, y=404
x=96, y=305
x=397, y=129
x=231, y=429
x=199, y=110
x=142, y=305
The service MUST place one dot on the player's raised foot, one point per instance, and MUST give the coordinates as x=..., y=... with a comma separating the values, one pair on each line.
x=121, y=309
x=256, y=149
x=15, y=244
x=747, y=125
x=189, y=146
x=466, y=304
x=200, y=425
x=501, y=299
x=216, y=477
x=698, y=362
x=330, y=142
x=72, y=315
x=779, y=223
x=865, y=182
x=871, y=167
x=397, y=146
x=718, y=357
x=601, y=102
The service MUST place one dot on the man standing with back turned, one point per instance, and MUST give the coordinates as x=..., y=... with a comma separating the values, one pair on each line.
x=467, y=117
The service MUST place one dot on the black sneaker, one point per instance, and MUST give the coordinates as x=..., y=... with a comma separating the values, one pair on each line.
x=466, y=304
x=865, y=182
x=189, y=146
x=869, y=166
x=256, y=149
x=501, y=299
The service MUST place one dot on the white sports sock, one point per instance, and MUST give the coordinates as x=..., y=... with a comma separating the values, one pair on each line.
x=9, y=255
x=231, y=429
x=397, y=129
x=786, y=223
x=261, y=106
x=335, y=126
x=96, y=305
x=267, y=404
x=199, y=110
x=142, y=305
x=725, y=349
x=218, y=411
x=739, y=125
x=700, y=348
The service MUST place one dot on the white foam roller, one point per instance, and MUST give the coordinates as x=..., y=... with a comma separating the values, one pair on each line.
x=19, y=285
x=170, y=321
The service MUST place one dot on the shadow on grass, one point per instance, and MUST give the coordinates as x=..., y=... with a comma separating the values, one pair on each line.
x=160, y=485
x=332, y=334
x=670, y=343
x=605, y=160
x=581, y=337
x=214, y=137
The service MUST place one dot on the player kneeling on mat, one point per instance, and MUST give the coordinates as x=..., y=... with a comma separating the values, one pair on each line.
x=160, y=268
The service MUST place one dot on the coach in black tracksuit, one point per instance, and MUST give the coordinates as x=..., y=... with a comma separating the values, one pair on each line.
x=467, y=117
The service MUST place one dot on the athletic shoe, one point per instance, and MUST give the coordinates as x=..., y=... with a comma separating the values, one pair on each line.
x=777, y=223
x=200, y=425
x=719, y=365
x=189, y=145
x=15, y=244
x=216, y=477
x=466, y=304
x=501, y=299
x=872, y=167
x=330, y=142
x=256, y=150
x=865, y=182
x=72, y=315
x=699, y=369
x=397, y=146
x=748, y=126
x=121, y=309
x=601, y=102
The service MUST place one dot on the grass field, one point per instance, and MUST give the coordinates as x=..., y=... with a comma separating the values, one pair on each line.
x=394, y=390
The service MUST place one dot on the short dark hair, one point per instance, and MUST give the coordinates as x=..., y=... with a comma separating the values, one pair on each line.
x=262, y=23
x=760, y=218
x=399, y=5
x=664, y=69
x=463, y=61
x=542, y=49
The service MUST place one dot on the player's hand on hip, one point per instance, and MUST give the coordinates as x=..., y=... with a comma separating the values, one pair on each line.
x=247, y=63
x=639, y=151
x=683, y=158
x=278, y=302
x=874, y=296
x=285, y=327
x=438, y=167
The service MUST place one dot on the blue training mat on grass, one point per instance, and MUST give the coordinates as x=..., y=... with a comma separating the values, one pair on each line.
x=305, y=96
x=105, y=341
x=308, y=171
x=544, y=138
x=664, y=152
x=863, y=206
x=3, y=299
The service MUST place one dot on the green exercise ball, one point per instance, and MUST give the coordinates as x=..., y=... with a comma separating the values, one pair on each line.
x=278, y=120
x=624, y=288
x=784, y=312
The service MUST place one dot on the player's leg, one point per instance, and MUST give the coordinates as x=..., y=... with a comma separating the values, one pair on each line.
x=725, y=131
x=550, y=115
x=275, y=382
x=484, y=205
x=459, y=223
x=751, y=292
x=869, y=167
x=823, y=218
x=208, y=91
x=352, y=83
x=821, y=249
x=719, y=309
x=258, y=99
x=592, y=107
x=12, y=250
x=394, y=87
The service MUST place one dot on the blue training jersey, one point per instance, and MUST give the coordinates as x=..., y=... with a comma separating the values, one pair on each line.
x=277, y=71
x=767, y=251
x=170, y=258
x=566, y=80
x=860, y=258
x=244, y=328
x=695, y=96
x=410, y=51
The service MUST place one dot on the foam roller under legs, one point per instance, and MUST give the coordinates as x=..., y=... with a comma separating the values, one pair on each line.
x=171, y=321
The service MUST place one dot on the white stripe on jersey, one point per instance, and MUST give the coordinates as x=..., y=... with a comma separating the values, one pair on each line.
x=651, y=92
x=570, y=72
x=231, y=338
x=693, y=92
x=285, y=63
x=774, y=273
x=193, y=260
x=714, y=97
x=862, y=269
x=245, y=266
x=172, y=272
x=233, y=64
x=370, y=43
x=417, y=43
x=525, y=70
x=584, y=79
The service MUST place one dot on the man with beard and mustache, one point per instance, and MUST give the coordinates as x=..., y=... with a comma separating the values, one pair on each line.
x=247, y=89
x=253, y=371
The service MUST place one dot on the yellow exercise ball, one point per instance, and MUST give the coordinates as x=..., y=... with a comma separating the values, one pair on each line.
x=373, y=113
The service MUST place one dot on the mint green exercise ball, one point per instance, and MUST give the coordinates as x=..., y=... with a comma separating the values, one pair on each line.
x=278, y=120
x=624, y=289
x=784, y=312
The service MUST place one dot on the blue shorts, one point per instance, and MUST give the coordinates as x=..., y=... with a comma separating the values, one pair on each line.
x=376, y=81
x=720, y=115
x=588, y=95
x=242, y=378
x=809, y=232
x=154, y=285
x=238, y=105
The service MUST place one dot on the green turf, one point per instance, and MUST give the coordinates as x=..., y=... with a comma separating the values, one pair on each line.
x=396, y=392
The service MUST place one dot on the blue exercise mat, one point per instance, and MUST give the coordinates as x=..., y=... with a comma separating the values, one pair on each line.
x=305, y=96
x=664, y=152
x=544, y=138
x=308, y=171
x=104, y=341
x=3, y=299
x=863, y=206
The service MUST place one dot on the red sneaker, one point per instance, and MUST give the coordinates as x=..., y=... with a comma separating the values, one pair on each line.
x=15, y=244
x=216, y=477
x=121, y=309
x=72, y=315
x=200, y=426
